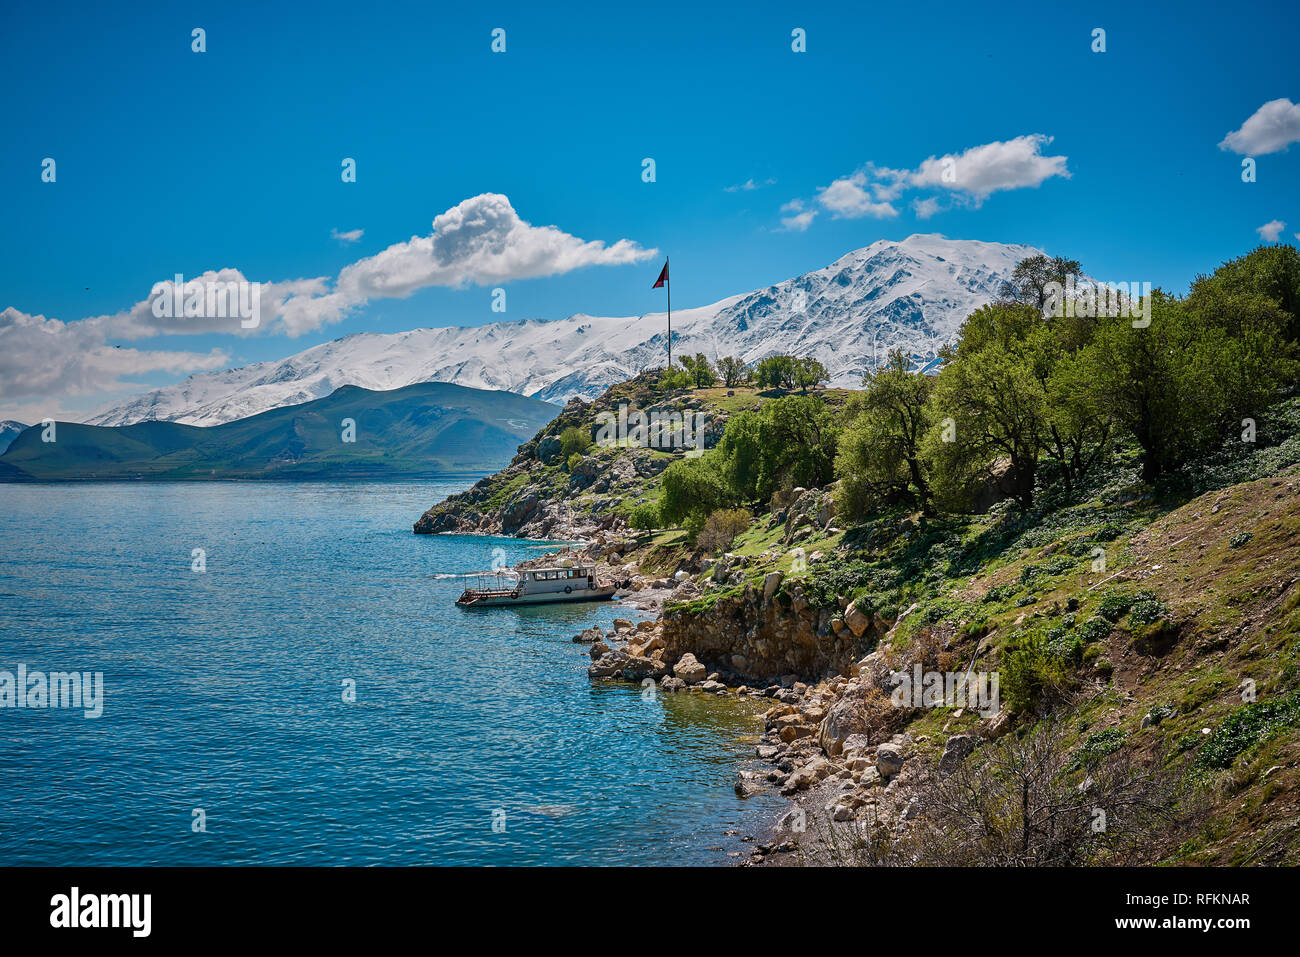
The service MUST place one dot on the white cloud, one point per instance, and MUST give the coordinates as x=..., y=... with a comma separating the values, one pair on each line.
x=994, y=167
x=1271, y=128
x=481, y=241
x=747, y=186
x=348, y=238
x=797, y=219
x=1269, y=232
x=848, y=198
x=970, y=177
x=42, y=357
x=925, y=208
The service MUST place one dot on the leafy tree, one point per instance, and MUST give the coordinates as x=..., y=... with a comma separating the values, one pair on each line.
x=776, y=372
x=722, y=527
x=1182, y=384
x=1268, y=272
x=699, y=369
x=692, y=490
x=1031, y=277
x=733, y=371
x=809, y=373
x=880, y=458
x=789, y=441
x=988, y=408
x=573, y=440
x=645, y=516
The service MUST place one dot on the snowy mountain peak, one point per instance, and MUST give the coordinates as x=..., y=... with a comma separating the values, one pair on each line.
x=911, y=294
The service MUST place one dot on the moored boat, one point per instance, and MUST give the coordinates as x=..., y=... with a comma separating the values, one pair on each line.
x=567, y=581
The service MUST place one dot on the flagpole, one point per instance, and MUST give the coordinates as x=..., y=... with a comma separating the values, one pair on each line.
x=669, y=284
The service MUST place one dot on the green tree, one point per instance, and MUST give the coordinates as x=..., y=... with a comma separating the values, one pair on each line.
x=692, y=489
x=880, y=455
x=1032, y=276
x=699, y=369
x=573, y=440
x=809, y=373
x=733, y=371
x=776, y=372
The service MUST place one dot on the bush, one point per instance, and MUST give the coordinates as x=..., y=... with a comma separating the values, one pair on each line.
x=1247, y=726
x=1031, y=673
x=1147, y=611
x=722, y=527
x=573, y=440
x=1095, y=629
x=1097, y=747
x=645, y=517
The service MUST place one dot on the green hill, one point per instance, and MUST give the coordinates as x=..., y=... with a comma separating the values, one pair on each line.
x=432, y=428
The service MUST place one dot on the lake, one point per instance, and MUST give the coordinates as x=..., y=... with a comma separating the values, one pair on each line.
x=225, y=690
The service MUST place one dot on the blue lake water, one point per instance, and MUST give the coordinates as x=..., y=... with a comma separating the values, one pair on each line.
x=224, y=691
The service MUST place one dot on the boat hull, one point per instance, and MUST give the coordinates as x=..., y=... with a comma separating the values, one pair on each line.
x=469, y=600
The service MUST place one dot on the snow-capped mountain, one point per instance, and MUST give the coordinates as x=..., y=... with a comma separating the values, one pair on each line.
x=912, y=295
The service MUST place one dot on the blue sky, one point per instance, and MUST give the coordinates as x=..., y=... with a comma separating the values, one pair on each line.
x=172, y=161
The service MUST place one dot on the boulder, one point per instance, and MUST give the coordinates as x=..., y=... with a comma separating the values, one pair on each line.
x=955, y=751
x=857, y=620
x=889, y=760
x=846, y=717
x=598, y=650
x=548, y=449
x=690, y=670
x=771, y=582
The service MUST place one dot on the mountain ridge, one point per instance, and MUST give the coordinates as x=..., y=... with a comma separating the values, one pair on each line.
x=911, y=294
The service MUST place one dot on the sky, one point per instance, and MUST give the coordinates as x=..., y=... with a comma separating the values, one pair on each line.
x=525, y=170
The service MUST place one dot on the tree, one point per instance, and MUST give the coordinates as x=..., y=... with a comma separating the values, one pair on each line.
x=1270, y=272
x=1030, y=280
x=733, y=371
x=809, y=373
x=692, y=490
x=573, y=440
x=776, y=372
x=880, y=458
x=699, y=369
x=1182, y=384
x=721, y=529
x=988, y=407
x=790, y=441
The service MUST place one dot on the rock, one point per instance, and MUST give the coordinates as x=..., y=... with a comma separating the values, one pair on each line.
x=548, y=449
x=956, y=750
x=771, y=582
x=672, y=685
x=622, y=624
x=598, y=650
x=870, y=778
x=714, y=687
x=639, y=668
x=647, y=625
x=690, y=670
x=608, y=665
x=846, y=717
x=889, y=759
x=746, y=785
x=857, y=620
x=740, y=663
x=593, y=633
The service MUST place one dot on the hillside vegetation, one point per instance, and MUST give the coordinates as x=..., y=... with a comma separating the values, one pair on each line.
x=1102, y=513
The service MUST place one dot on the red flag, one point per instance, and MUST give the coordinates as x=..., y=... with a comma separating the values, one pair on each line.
x=663, y=276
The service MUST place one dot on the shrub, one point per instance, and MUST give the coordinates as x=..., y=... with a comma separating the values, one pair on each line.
x=1097, y=747
x=645, y=517
x=1247, y=726
x=1095, y=629
x=721, y=528
x=573, y=440
x=1031, y=673
x=1147, y=611
x=572, y=461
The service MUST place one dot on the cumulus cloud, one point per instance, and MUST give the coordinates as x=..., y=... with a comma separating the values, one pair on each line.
x=797, y=219
x=969, y=178
x=481, y=241
x=983, y=170
x=349, y=237
x=1269, y=232
x=47, y=357
x=849, y=198
x=1271, y=128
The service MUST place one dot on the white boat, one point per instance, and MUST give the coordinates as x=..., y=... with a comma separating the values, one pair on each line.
x=567, y=581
